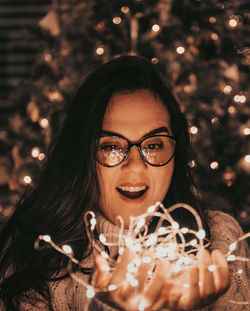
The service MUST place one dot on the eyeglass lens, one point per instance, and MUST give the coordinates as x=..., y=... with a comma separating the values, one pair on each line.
x=156, y=150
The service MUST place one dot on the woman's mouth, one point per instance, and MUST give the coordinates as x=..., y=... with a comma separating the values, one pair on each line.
x=132, y=192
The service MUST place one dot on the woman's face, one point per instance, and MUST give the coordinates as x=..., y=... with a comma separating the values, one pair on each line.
x=134, y=115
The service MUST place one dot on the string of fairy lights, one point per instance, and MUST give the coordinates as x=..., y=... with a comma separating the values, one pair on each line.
x=168, y=241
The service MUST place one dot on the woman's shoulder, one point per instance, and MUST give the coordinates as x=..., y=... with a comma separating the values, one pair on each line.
x=224, y=229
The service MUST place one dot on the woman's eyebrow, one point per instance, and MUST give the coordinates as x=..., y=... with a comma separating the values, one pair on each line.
x=152, y=132
x=156, y=131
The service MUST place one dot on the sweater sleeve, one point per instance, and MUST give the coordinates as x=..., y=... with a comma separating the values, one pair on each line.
x=225, y=230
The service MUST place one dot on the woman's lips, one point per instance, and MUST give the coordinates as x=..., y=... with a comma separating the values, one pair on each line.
x=132, y=193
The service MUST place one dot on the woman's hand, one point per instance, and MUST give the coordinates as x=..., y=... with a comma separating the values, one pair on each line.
x=200, y=287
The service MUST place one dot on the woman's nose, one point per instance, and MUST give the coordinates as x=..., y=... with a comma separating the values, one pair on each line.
x=134, y=159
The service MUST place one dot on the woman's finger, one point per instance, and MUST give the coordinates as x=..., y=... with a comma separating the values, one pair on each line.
x=221, y=273
x=101, y=276
x=156, y=285
x=191, y=295
x=207, y=287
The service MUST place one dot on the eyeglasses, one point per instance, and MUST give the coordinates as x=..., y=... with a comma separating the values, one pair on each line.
x=156, y=150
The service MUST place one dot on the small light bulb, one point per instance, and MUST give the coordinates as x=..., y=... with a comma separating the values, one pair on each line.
x=146, y=259
x=175, y=225
x=93, y=222
x=100, y=51
x=35, y=152
x=125, y=9
x=90, y=292
x=156, y=28
x=227, y=89
x=194, y=130
x=162, y=230
x=102, y=238
x=232, y=246
x=117, y=20
x=246, y=131
x=214, y=165
x=180, y=50
x=41, y=156
x=247, y=158
x=212, y=20
x=112, y=287
x=201, y=234
x=151, y=209
x=44, y=123
x=104, y=255
x=155, y=60
x=237, y=98
x=67, y=249
x=27, y=179
x=242, y=99
x=46, y=238
x=211, y=268
x=233, y=23
x=193, y=242
x=184, y=230
x=231, y=109
x=48, y=57
x=231, y=258
x=134, y=283
x=240, y=271
x=142, y=305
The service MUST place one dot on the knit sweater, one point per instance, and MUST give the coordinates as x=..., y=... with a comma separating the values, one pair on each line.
x=68, y=295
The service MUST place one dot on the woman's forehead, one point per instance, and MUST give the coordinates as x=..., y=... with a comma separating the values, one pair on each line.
x=139, y=112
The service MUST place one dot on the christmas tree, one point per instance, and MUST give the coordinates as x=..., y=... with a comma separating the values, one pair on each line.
x=201, y=45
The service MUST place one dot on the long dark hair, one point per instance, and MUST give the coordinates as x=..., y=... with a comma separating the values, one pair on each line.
x=68, y=184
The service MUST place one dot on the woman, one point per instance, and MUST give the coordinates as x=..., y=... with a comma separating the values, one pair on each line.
x=124, y=102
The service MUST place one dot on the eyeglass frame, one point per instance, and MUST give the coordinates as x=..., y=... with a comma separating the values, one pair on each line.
x=138, y=145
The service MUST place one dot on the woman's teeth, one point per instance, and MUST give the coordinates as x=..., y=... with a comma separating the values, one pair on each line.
x=132, y=192
x=132, y=189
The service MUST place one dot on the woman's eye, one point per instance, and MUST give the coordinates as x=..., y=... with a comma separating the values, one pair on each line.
x=155, y=146
x=109, y=147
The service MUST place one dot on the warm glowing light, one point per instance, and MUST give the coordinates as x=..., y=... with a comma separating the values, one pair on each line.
x=242, y=99
x=211, y=268
x=212, y=20
x=90, y=293
x=158, y=245
x=44, y=123
x=100, y=51
x=53, y=96
x=41, y=156
x=180, y=50
x=155, y=60
x=194, y=130
x=112, y=287
x=48, y=57
x=35, y=152
x=247, y=158
x=142, y=305
x=233, y=23
x=67, y=249
x=125, y=9
x=27, y=179
x=102, y=238
x=192, y=164
x=117, y=20
x=227, y=89
x=215, y=120
x=246, y=131
x=231, y=258
x=231, y=109
x=214, y=165
x=47, y=238
x=237, y=98
x=156, y=28
x=232, y=246
x=214, y=36
x=201, y=234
